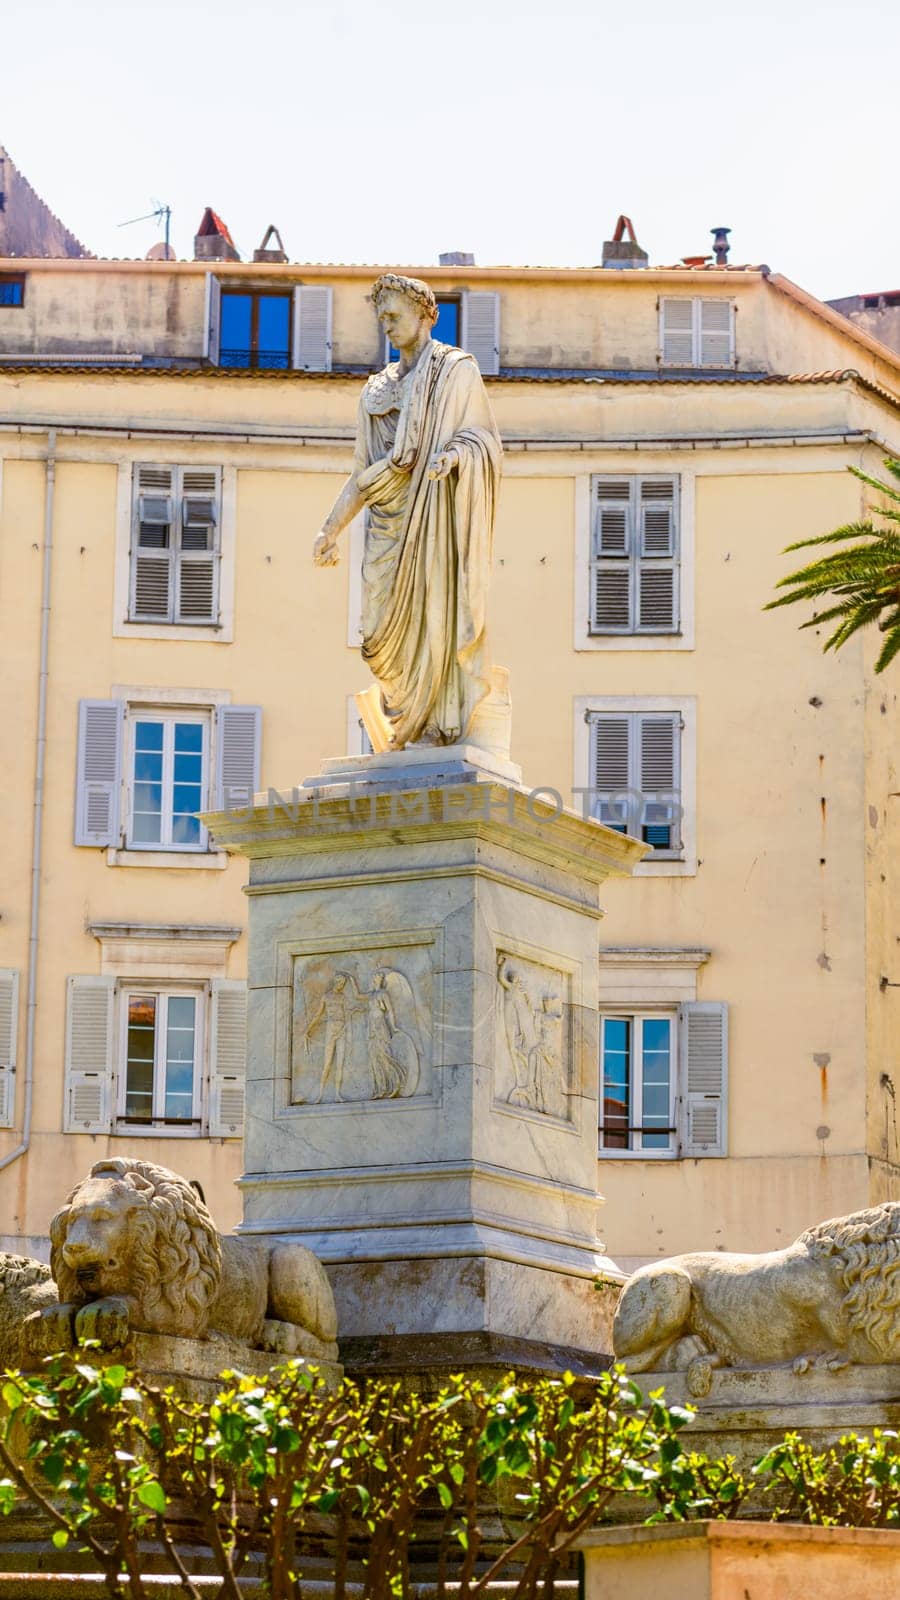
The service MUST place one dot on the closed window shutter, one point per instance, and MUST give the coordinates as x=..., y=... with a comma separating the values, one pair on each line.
x=610, y=765
x=152, y=543
x=611, y=566
x=227, y=1058
x=89, y=1055
x=704, y=1079
x=99, y=770
x=658, y=742
x=197, y=582
x=481, y=329
x=312, y=328
x=9, y=1032
x=657, y=581
x=212, y=318
x=237, y=755
x=676, y=332
x=716, y=333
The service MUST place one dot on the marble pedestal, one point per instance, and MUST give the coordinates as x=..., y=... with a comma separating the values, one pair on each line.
x=422, y=1053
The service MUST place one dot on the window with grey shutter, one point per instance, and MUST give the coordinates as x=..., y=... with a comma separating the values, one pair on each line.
x=237, y=756
x=227, y=1058
x=635, y=776
x=98, y=766
x=175, y=544
x=9, y=1031
x=312, y=342
x=481, y=329
x=695, y=332
x=89, y=1055
x=634, y=555
x=704, y=1079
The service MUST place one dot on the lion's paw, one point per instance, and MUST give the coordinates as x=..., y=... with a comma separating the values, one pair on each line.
x=699, y=1377
x=280, y=1338
x=105, y=1321
x=801, y=1364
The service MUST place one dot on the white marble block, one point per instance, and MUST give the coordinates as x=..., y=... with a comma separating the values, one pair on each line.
x=422, y=1044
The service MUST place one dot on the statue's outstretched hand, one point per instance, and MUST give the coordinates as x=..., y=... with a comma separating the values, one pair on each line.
x=325, y=551
x=443, y=463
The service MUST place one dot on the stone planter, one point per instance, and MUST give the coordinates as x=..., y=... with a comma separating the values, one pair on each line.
x=740, y=1561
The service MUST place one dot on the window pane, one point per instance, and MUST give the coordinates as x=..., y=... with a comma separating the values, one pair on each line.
x=139, y=1056
x=186, y=831
x=447, y=326
x=148, y=736
x=12, y=292
x=657, y=1053
x=616, y=1080
x=234, y=330
x=273, y=340
x=180, y=1040
x=188, y=737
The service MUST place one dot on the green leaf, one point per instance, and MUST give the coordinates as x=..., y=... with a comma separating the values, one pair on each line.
x=12, y=1396
x=60, y=1538
x=445, y=1495
x=153, y=1495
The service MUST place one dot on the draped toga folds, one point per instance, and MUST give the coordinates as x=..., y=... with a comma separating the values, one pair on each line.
x=428, y=543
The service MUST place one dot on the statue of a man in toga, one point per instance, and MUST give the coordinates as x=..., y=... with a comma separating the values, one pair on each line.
x=427, y=471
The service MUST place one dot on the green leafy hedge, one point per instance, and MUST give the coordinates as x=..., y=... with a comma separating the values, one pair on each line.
x=470, y=1485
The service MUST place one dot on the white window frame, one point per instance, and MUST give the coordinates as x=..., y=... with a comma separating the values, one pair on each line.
x=697, y=302
x=639, y=1016
x=658, y=865
x=169, y=716
x=684, y=639
x=159, y=1128
x=123, y=627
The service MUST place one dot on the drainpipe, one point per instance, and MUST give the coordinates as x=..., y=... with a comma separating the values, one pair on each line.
x=38, y=823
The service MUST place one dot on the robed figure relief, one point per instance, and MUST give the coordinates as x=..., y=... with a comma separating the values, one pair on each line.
x=356, y=1034
x=426, y=471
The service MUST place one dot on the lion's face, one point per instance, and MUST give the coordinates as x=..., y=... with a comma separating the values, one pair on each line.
x=97, y=1247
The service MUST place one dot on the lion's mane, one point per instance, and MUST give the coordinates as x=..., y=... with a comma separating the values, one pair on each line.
x=175, y=1258
x=866, y=1249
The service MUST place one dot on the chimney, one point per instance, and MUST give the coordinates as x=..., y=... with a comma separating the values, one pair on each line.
x=721, y=245
x=621, y=252
x=265, y=253
x=212, y=241
x=456, y=258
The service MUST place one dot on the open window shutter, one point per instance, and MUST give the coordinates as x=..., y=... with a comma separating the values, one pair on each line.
x=716, y=333
x=197, y=579
x=611, y=569
x=658, y=752
x=227, y=1058
x=676, y=332
x=610, y=737
x=212, y=318
x=89, y=1055
x=704, y=1079
x=237, y=756
x=9, y=1030
x=481, y=329
x=312, y=328
x=152, y=544
x=99, y=771
x=657, y=600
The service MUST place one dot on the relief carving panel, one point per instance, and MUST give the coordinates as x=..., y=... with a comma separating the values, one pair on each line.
x=361, y=1026
x=533, y=1036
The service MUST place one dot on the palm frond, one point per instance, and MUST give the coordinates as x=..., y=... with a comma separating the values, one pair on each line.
x=860, y=617
x=850, y=530
x=886, y=489
x=888, y=650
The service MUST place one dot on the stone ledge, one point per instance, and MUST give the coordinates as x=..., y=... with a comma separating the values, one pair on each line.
x=489, y=1354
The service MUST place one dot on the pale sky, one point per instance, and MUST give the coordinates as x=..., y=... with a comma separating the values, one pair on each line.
x=390, y=131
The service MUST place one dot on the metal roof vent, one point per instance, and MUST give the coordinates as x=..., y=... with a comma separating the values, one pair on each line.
x=721, y=245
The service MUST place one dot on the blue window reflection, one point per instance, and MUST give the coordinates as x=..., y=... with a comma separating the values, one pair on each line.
x=254, y=329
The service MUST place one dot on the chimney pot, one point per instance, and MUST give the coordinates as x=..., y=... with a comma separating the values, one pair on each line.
x=456, y=258
x=721, y=245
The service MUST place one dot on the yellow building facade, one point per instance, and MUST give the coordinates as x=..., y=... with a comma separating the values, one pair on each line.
x=171, y=437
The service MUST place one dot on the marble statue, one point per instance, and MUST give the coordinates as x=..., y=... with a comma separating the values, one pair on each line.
x=135, y=1249
x=26, y=1286
x=426, y=470
x=830, y=1299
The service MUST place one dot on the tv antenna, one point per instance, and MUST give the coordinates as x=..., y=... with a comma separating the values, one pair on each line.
x=161, y=211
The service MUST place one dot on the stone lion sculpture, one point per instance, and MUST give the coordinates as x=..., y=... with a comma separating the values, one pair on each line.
x=135, y=1248
x=830, y=1299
